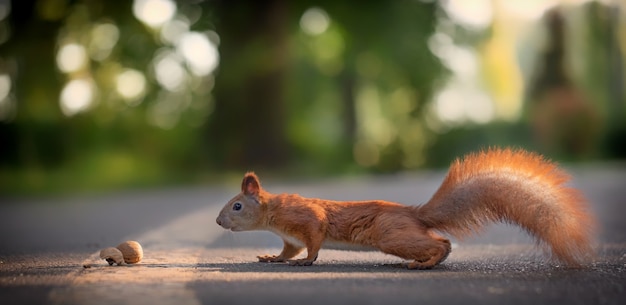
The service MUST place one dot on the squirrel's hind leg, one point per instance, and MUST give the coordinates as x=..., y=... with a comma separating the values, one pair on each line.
x=425, y=249
x=289, y=251
x=312, y=252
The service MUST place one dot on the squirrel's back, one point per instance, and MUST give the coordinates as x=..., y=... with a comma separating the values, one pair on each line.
x=513, y=186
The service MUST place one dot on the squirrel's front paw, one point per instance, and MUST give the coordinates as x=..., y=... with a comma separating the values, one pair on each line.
x=419, y=265
x=270, y=259
x=300, y=262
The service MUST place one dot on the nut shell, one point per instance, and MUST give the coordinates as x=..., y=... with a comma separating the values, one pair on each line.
x=112, y=256
x=131, y=251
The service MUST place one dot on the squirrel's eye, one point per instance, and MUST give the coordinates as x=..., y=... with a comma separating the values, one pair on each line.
x=237, y=206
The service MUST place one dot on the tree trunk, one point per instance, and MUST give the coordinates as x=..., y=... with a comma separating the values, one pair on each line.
x=247, y=128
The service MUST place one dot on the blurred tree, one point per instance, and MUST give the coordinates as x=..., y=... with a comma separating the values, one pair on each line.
x=387, y=49
x=355, y=85
x=77, y=119
x=106, y=93
x=603, y=69
x=563, y=120
x=248, y=127
x=34, y=126
x=361, y=85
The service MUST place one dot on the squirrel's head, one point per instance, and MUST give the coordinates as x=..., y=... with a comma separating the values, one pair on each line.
x=243, y=212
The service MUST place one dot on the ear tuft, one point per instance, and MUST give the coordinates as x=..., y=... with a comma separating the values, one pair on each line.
x=251, y=186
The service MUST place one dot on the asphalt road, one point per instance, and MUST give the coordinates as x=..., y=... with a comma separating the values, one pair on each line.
x=45, y=243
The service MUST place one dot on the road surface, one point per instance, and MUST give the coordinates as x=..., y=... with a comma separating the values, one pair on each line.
x=45, y=244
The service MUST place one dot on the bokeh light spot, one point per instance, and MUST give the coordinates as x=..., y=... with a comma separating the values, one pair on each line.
x=314, y=21
x=169, y=71
x=457, y=104
x=131, y=85
x=174, y=29
x=71, y=57
x=7, y=101
x=77, y=96
x=5, y=86
x=476, y=14
x=5, y=9
x=154, y=13
x=199, y=53
x=104, y=36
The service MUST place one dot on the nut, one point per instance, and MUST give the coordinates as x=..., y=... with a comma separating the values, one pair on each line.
x=131, y=251
x=112, y=256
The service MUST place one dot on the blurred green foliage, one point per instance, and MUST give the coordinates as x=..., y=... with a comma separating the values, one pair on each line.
x=190, y=91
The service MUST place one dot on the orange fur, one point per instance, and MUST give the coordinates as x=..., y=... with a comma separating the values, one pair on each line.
x=504, y=185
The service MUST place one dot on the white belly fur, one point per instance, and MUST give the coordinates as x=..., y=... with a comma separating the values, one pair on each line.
x=328, y=244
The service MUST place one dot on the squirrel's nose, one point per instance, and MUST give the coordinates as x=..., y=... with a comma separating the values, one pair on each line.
x=219, y=222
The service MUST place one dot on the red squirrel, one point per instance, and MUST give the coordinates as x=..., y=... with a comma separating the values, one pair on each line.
x=496, y=185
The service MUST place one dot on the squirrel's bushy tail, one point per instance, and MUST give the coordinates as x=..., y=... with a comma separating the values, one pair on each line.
x=517, y=187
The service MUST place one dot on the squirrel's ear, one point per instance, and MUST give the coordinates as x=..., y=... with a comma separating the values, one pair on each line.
x=250, y=186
